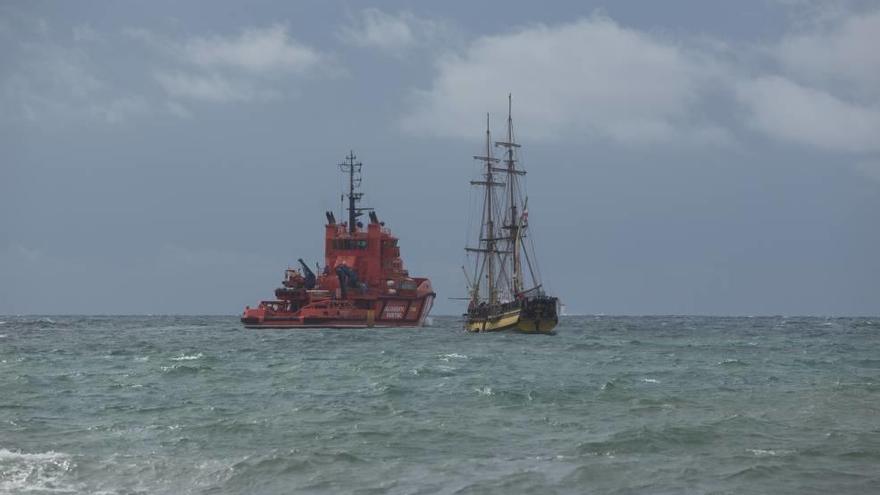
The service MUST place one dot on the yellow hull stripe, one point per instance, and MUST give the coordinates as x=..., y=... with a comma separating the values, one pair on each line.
x=510, y=321
x=495, y=324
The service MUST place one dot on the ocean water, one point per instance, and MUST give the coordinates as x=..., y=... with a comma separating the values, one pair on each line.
x=129, y=405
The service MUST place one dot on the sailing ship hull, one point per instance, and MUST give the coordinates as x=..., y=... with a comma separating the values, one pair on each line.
x=494, y=322
x=537, y=325
x=532, y=316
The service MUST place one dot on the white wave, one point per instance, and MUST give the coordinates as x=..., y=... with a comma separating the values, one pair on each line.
x=729, y=361
x=42, y=472
x=650, y=380
x=484, y=391
x=3, y=335
x=3, y=322
x=769, y=452
x=447, y=357
x=184, y=357
x=142, y=358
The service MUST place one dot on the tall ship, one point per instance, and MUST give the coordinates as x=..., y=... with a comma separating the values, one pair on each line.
x=363, y=282
x=504, y=286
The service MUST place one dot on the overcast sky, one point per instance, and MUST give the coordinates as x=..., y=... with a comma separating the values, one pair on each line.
x=684, y=157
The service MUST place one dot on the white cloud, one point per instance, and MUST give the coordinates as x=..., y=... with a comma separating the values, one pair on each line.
x=54, y=84
x=210, y=88
x=374, y=28
x=396, y=34
x=593, y=77
x=789, y=111
x=254, y=50
x=589, y=77
x=825, y=91
x=841, y=51
x=245, y=67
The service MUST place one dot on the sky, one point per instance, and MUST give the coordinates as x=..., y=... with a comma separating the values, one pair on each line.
x=684, y=157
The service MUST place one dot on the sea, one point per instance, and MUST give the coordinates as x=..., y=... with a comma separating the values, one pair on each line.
x=608, y=405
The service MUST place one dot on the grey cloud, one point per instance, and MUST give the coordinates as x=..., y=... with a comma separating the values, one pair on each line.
x=85, y=33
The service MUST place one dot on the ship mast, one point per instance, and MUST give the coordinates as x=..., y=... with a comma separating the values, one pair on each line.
x=488, y=231
x=513, y=225
x=353, y=169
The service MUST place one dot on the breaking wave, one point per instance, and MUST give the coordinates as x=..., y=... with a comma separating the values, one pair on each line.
x=47, y=472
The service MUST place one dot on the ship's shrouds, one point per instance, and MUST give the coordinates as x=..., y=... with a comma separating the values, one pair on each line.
x=505, y=290
x=363, y=282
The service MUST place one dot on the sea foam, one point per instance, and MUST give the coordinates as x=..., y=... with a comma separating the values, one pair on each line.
x=40, y=472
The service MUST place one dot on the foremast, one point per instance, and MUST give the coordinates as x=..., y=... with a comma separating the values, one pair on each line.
x=487, y=251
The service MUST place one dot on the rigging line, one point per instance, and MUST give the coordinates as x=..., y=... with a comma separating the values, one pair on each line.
x=502, y=272
x=483, y=259
x=531, y=242
x=535, y=281
x=479, y=260
x=537, y=265
x=471, y=208
x=479, y=269
x=467, y=279
x=529, y=264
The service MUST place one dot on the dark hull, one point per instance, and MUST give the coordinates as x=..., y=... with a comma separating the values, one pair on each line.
x=533, y=315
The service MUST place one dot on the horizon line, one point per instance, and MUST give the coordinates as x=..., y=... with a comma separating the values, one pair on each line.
x=600, y=315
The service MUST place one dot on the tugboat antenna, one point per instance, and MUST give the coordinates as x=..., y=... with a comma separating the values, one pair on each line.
x=353, y=169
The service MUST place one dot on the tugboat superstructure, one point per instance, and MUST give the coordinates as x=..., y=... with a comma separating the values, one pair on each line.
x=503, y=296
x=363, y=282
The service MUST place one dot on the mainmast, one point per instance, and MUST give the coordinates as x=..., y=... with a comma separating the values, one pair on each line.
x=353, y=169
x=513, y=226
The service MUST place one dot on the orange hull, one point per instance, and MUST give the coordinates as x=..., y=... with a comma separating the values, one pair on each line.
x=386, y=313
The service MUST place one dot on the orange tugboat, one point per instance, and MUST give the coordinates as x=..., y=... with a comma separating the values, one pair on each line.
x=363, y=282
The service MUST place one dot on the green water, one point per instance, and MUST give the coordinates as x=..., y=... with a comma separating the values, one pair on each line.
x=609, y=405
